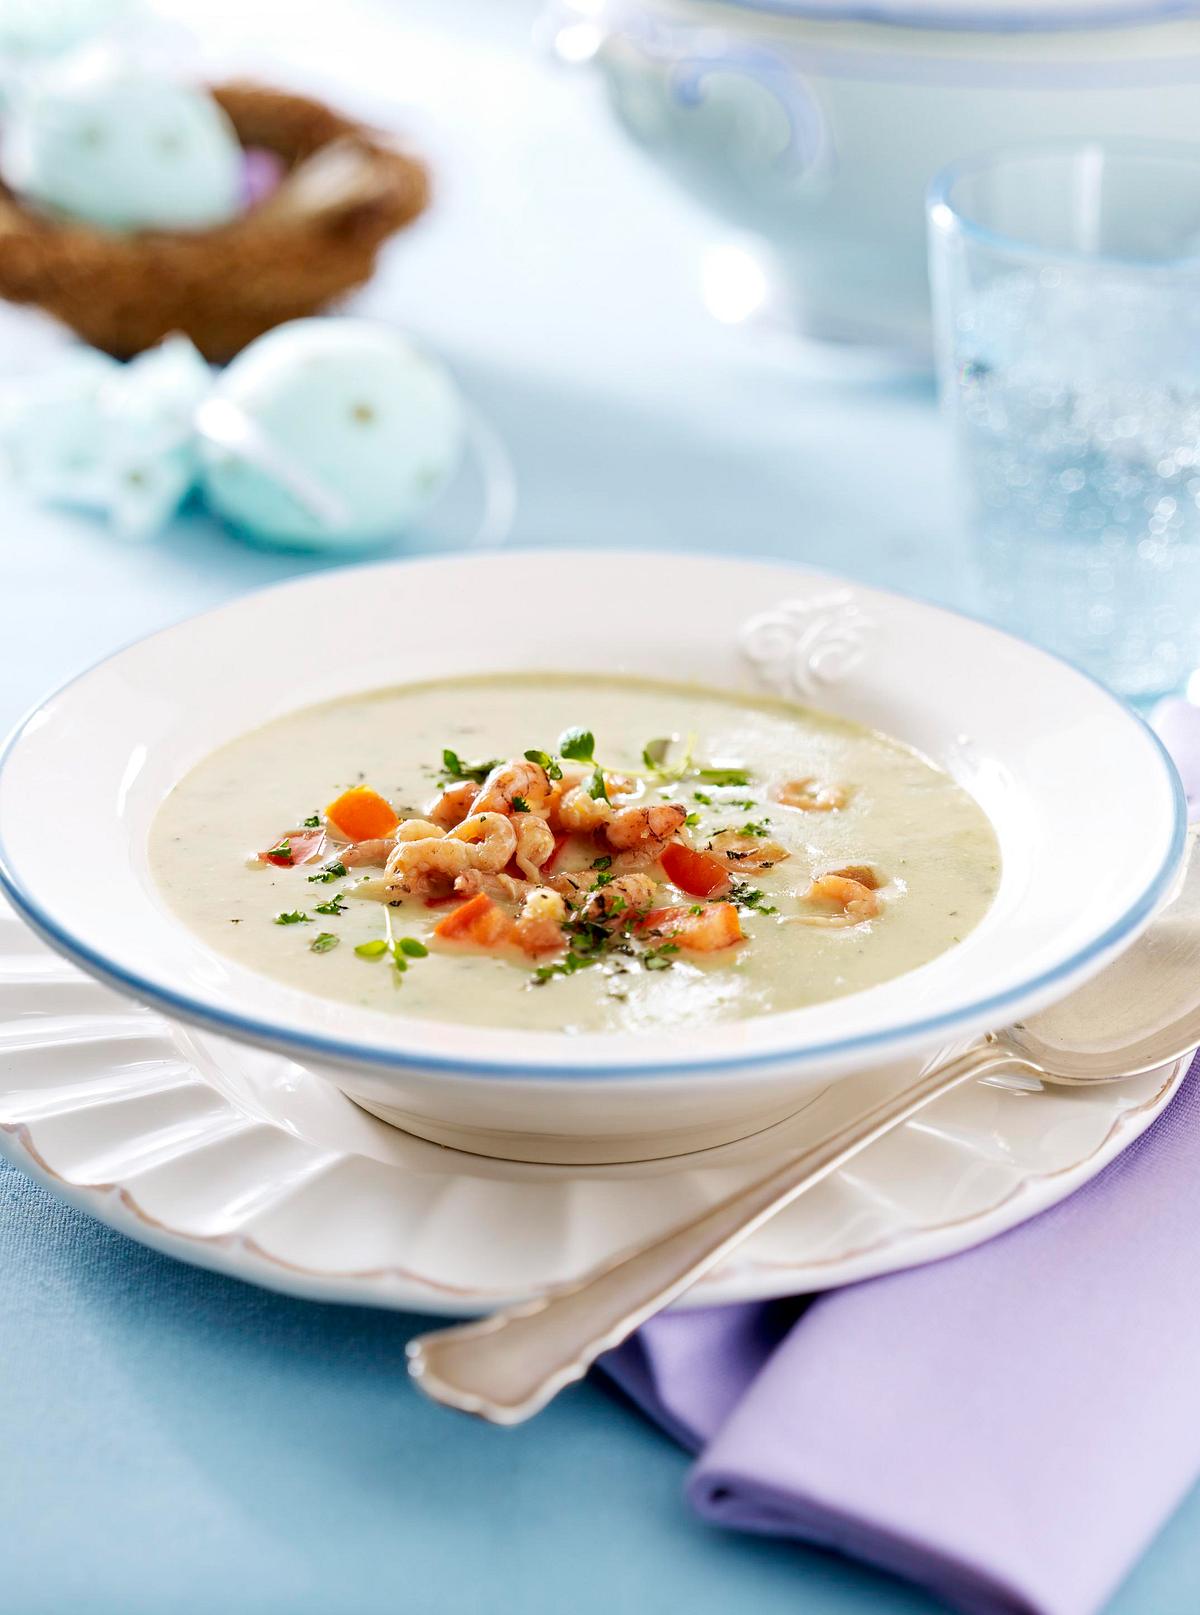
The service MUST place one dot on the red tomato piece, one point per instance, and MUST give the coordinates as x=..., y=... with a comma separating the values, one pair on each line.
x=478, y=920
x=297, y=847
x=698, y=873
x=716, y=926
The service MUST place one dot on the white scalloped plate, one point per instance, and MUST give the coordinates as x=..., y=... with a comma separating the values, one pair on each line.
x=238, y=1159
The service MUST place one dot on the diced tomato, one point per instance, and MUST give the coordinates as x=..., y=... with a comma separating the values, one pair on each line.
x=697, y=873
x=297, y=847
x=362, y=814
x=716, y=926
x=478, y=920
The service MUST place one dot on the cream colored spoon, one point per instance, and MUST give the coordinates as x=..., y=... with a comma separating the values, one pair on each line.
x=1140, y=1013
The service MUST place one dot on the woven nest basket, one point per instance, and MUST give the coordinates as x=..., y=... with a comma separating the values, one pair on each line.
x=345, y=190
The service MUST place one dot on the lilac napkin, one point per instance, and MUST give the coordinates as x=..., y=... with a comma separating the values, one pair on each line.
x=1010, y=1427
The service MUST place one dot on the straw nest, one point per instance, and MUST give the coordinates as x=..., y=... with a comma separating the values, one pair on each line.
x=345, y=190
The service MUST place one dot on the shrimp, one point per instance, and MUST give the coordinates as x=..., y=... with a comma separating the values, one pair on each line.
x=639, y=834
x=613, y=902
x=418, y=830
x=638, y=827
x=809, y=796
x=454, y=805
x=506, y=782
x=490, y=837
x=429, y=867
x=578, y=811
x=747, y=852
x=500, y=888
x=539, y=925
x=853, y=901
x=376, y=851
x=862, y=873
x=535, y=843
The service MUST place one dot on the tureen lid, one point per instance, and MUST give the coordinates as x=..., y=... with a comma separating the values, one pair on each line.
x=996, y=16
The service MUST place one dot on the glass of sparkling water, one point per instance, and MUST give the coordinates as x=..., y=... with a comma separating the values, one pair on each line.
x=1066, y=288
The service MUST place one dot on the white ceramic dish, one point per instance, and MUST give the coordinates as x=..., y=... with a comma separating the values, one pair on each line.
x=817, y=124
x=246, y=1162
x=1086, y=805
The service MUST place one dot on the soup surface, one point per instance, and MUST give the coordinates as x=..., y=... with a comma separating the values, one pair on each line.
x=831, y=858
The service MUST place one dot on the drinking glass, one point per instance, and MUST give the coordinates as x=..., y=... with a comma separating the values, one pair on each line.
x=1066, y=285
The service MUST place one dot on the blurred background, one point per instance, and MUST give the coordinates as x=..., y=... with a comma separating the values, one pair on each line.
x=670, y=265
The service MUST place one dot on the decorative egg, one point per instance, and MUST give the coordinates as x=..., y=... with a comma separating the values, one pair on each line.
x=123, y=149
x=335, y=433
x=118, y=439
x=32, y=28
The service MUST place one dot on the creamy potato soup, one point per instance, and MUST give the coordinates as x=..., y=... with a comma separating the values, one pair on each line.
x=566, y=853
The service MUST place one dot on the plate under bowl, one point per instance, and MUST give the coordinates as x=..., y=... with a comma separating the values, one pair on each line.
x=1086, y=805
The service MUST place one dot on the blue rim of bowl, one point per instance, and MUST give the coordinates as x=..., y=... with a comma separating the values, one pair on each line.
x=948, y=222
x=349, y=1054
x=1031, y=17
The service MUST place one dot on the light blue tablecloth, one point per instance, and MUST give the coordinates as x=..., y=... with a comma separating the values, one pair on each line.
x=176, y=1443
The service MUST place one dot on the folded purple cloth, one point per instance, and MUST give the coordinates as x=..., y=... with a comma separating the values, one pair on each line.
x=1009, y=1427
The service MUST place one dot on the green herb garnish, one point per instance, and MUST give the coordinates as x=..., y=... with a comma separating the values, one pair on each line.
x=292, y=917
x=330, y=872
x=743, y=896
x=596, y=786
x=332, y=905
x=723, y=776
x=700, y=796
x=372, y=950
x=602, y=863
x=413, y=948
x=520, y=805
x=578, y=744
x=453, y=767
x=313, y=822
x=656, y=752
x=281, y=851
x=760, y=827
x=323, y=942
x=660, y=958
x=544, y=760
x=692, y=820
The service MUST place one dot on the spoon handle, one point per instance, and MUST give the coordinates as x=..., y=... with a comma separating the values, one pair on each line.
x=506, y=1367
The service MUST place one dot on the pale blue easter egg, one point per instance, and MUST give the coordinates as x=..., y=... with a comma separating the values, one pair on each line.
x=351, y=406
x=123, y=149
x=32, y=28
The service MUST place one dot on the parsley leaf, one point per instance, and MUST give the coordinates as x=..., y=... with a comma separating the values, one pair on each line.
x=743, y=896
x=520, y=805
x=761, y=828
x=544, y=760
x=313, y=822
x=692, y=820
x=323, y=942
x=578, y=744
x=293, y=917
x=660, y=958
x=596, y=786
x=330, y=872
x=281, y=852
x=602, y=863
x=332, y=905
x=723, y=776
x=454, y=768
x=701, y=797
